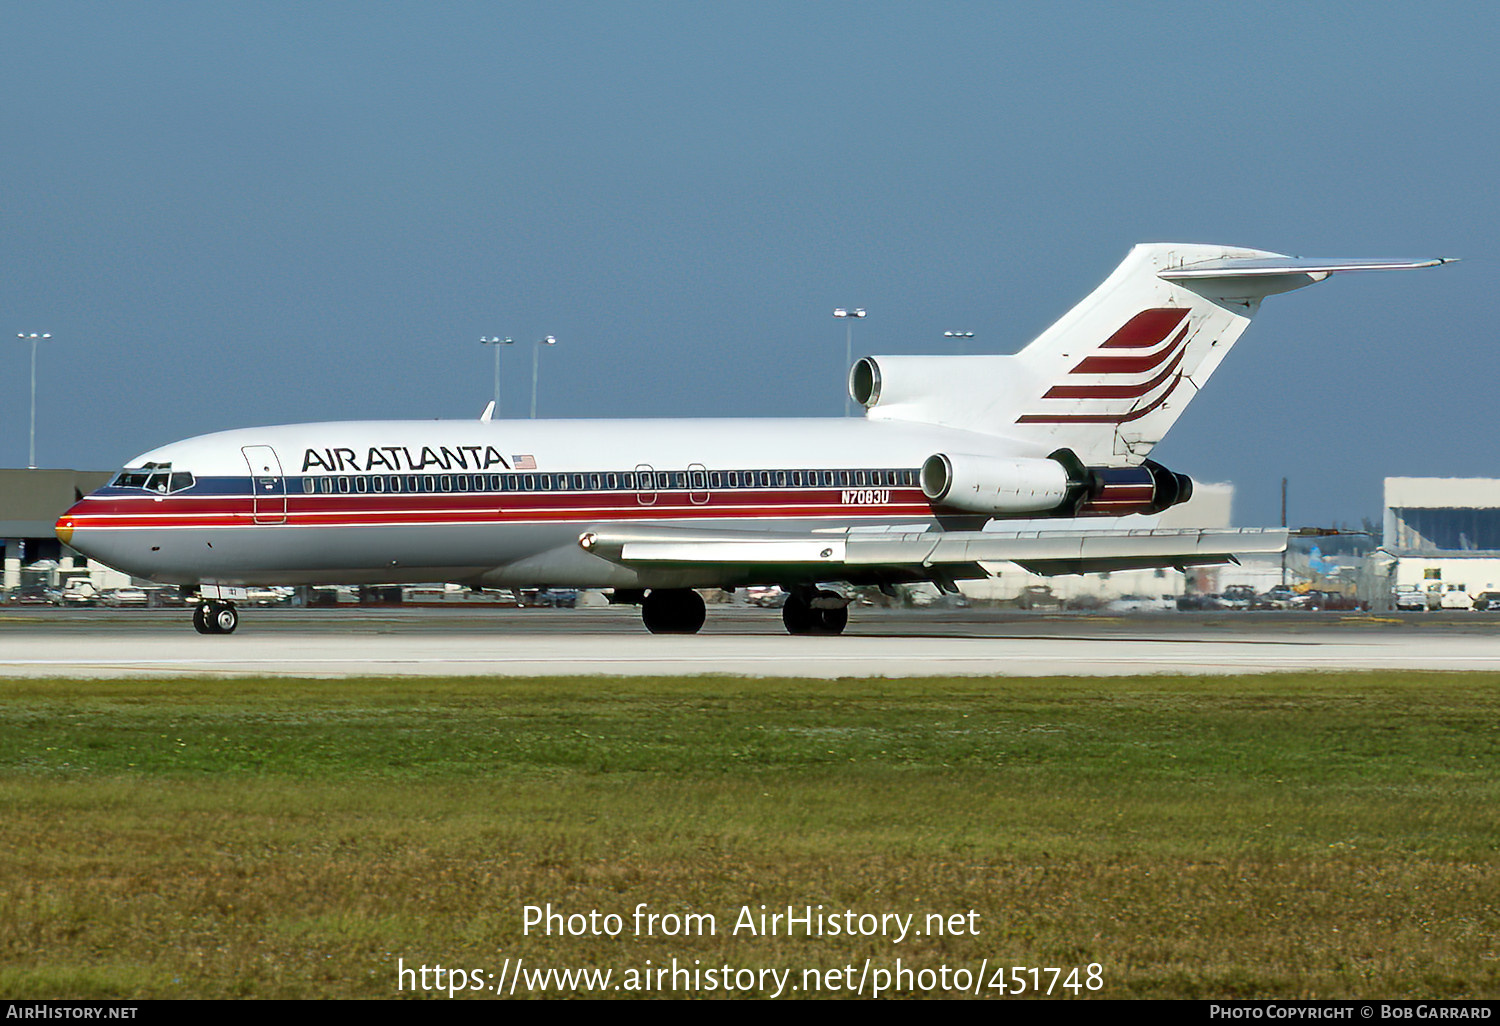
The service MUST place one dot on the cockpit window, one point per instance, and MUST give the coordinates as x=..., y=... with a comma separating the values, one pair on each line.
x=155, y=477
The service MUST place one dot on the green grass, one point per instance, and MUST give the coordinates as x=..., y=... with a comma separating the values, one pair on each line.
x=1266, y=836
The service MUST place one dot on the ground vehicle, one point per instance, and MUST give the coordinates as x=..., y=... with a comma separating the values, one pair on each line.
x=118, y=597
x=1456, y=596
x=79, y=592
x=1237, y=596
x=1487, y=601
x=1411, y=599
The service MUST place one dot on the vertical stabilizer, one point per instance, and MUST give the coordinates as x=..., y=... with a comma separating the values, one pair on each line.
x=1113, y=375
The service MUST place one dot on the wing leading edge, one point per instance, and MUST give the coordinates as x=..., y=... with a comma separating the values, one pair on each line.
x=858, y=554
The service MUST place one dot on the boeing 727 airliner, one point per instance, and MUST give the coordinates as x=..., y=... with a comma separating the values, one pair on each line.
x=950, y=450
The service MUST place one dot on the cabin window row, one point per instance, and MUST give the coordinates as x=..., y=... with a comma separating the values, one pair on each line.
x=630, y=481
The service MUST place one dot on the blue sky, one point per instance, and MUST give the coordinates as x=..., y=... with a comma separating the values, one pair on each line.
x=239, y=213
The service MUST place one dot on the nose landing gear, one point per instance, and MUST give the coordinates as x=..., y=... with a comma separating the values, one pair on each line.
x=215, y=618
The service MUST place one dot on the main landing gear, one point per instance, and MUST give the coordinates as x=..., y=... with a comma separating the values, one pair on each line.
x=810, y=611
x=673, y=611
x=215, y=618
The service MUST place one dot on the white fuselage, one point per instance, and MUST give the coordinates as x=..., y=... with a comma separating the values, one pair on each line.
x=500, y=503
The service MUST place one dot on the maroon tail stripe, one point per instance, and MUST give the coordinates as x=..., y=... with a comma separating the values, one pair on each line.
x=1100, y=418
x=1130, y=364
x=1146, y=329
x=1115, y=391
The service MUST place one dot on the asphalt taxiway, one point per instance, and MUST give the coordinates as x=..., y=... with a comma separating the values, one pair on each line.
x=46, y=642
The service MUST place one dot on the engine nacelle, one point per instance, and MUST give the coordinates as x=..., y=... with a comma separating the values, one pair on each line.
x=1058, y=486
x=1149, y=488
x=997, y=486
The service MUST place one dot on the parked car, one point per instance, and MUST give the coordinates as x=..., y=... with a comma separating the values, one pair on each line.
x=1237, y=596
x=79, y=592
x=1411, y=600
x=1456, y=596
x=1142, y=604
x=118, y=597
x=34, y=595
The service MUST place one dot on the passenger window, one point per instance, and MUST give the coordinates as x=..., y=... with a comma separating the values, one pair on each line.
x=715, y=479
x=611, y=481
x=627, y=479
x=445, y=483
x=377, y=484
x=577, y=482
x=562, y=482
x=344, y=485
x=594, y=482
x=512, y=482
x=780, y=479
x=700, y=480
x=429, y=483
x=765, y=479
x=529, y=482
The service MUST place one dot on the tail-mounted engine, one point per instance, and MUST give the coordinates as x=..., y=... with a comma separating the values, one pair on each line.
x=1057, y=486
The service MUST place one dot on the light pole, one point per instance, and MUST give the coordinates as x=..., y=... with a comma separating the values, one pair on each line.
x=496, y=342
x=535, y=353
x=962, y=336
x=849, y=318
x=33, y=338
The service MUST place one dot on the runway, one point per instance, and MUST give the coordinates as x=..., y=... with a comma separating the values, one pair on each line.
x=46, y=642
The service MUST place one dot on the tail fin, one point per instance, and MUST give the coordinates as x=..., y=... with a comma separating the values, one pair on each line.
x=1108, y=379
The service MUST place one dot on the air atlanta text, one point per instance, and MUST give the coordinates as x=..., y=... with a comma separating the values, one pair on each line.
x=400, y=457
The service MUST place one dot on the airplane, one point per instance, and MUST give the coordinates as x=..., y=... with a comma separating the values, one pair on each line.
x=958, y=461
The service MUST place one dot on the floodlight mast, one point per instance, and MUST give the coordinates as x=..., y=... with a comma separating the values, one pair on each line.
x=549, y=340
x=496, y=342
x=33, y=338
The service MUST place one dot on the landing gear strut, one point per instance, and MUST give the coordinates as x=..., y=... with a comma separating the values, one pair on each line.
x=815, y=612
x=673, y=611
x=215, y=618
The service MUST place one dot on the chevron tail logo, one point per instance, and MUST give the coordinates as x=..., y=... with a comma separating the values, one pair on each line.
x=1150, y=348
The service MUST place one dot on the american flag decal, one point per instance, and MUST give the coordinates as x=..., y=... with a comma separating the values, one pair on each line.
x=524, y=461
x=1142, y=339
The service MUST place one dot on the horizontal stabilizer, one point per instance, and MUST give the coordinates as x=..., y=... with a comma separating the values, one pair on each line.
x=1254, y=267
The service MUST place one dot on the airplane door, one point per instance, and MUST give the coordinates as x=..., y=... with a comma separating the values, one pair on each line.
x=645, y=479
x=697, y=484
x=267, y=485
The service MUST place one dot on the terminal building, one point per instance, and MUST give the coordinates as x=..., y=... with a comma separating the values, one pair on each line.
x=1441, y=535
x=30, y=503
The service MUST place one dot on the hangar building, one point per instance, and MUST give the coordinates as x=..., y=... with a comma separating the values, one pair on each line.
x=30, y=503
x=1441, y=535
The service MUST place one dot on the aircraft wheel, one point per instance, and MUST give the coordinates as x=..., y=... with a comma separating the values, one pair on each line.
x=798, y=616
x=674, y=611
x=217, y=618
x=831, y=621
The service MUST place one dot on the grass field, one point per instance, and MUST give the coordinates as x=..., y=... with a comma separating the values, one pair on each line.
x=1267, y=836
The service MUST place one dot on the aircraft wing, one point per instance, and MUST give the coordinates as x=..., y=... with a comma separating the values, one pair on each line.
x=856, y=555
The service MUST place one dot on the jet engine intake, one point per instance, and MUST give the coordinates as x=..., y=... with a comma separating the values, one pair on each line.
x=996, y=486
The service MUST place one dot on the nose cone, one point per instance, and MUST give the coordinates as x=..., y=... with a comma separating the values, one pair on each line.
x=64, y=528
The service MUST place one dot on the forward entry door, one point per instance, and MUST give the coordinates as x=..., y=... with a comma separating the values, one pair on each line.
x=267, y=485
